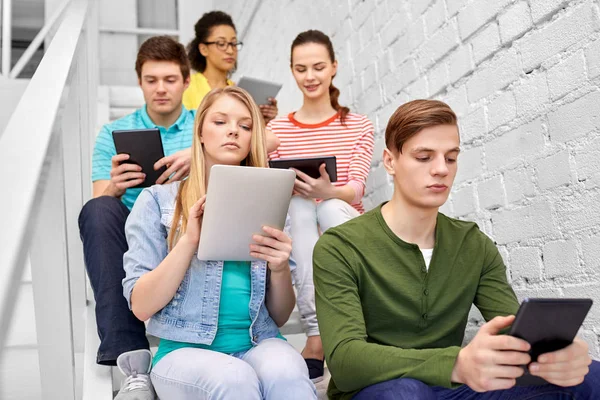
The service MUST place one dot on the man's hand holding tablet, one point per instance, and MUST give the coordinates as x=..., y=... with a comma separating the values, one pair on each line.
x=141, y=162
x=177, y=164
x=540, y=348
x=550, y=326
x=123, y=175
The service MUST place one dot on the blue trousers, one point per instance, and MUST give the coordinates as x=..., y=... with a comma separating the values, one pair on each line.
x=412, y=389
x=102, y=231
x=272, y=370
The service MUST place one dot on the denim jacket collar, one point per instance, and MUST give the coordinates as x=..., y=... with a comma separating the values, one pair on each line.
x=192, y=315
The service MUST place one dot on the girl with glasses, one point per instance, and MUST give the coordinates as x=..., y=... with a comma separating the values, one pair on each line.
x=213, y=53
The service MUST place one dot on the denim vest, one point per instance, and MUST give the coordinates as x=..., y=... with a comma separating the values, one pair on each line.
x=192, y=314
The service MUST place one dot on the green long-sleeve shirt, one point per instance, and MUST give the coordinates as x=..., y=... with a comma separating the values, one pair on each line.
x=383, y=316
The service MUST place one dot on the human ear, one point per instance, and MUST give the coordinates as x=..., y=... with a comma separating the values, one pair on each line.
x=203, y=49
x=388, y=161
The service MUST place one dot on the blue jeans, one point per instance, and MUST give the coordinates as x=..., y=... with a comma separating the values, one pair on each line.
x=273, y=370
x=412, y=389
x=102, y=230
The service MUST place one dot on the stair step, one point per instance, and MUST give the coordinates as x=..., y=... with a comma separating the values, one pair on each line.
x=31, y=66
x=120, y=112
x=11, y=89
x=125, y=97
x=97, y=379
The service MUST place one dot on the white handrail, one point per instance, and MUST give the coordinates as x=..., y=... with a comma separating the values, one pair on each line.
x=139, y=31
x=24, y=153
x=6, y=35
x=45, y=148
x=52, y=112
x=37, y=41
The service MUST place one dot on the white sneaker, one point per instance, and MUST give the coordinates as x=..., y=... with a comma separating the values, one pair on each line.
x=136, y=365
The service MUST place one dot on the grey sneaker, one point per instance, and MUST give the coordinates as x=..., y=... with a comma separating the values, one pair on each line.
x=135, y=365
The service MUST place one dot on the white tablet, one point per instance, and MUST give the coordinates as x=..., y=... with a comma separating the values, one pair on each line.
x=239, y=202
x=259, y=90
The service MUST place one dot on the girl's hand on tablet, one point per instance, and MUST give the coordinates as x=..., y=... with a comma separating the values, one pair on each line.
x=269, y=111
x=192, y=233
x=320, y=188
x=275, y=248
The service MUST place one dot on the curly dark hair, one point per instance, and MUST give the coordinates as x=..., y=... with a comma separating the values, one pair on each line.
x=202, y=30
x=318, y=37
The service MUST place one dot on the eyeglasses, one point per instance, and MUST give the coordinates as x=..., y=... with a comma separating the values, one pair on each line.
x=223, y=45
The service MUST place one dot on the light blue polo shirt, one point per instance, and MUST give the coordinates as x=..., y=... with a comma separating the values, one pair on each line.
x=177, y=137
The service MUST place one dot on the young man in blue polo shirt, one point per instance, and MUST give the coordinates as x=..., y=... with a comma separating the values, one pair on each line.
x=163, y=75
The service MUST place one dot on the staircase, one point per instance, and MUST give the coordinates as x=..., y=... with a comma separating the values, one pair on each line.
x=48, y=347
x=17, y=51
x=11, y=89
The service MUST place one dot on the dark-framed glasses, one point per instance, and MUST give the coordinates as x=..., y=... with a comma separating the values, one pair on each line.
x=224, y=45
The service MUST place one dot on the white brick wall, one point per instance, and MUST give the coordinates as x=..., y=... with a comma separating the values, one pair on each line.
x=515, y=21
x=524, y=79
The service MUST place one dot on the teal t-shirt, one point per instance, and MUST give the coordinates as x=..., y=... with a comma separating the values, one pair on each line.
x=174, y=138
x=233, y=332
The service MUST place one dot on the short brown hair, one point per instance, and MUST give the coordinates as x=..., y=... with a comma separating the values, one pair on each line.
x=414, y=116
x=162, y=48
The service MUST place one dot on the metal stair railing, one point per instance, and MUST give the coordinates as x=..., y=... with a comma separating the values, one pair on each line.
x=45, y=154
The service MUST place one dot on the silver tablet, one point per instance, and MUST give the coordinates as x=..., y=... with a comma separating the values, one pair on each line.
x=239, y=202
x=259, y=90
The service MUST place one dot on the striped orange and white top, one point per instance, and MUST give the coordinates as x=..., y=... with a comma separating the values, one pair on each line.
x=351, y=144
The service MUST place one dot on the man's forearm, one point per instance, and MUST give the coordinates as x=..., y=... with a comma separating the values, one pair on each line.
x=357, y=364
x=105, y=188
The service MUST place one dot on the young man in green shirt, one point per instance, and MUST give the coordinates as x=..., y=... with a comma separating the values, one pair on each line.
x=394, y=288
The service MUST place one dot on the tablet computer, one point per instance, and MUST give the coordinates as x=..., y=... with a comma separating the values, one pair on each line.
x=239, y=202
x=259, y=89
x=145, y=148
x=548, y=325
x=310, y=166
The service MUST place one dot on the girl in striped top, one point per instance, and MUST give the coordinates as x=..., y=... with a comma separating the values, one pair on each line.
x=321, y=127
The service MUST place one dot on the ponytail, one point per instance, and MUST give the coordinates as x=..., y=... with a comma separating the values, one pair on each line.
x=318, y=37
x=334, y=94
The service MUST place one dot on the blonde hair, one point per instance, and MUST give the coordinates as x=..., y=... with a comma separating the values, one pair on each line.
x=194, y=187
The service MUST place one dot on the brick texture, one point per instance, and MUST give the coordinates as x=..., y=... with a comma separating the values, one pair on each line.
x=515, y=21
x=523, y=77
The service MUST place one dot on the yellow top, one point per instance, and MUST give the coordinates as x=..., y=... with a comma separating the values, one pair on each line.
x=199, y=87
